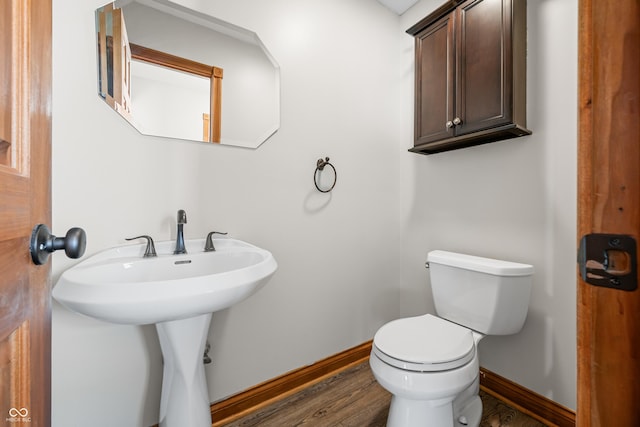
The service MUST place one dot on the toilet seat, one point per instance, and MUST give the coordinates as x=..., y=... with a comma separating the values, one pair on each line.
x=424, y=344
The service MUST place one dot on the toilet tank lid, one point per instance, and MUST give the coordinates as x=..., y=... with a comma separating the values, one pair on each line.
x=475, y=263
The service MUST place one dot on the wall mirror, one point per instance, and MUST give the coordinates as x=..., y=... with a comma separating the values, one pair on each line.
x=175, y=72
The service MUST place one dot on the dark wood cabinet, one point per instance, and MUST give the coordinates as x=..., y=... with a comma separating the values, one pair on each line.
x=470, y=74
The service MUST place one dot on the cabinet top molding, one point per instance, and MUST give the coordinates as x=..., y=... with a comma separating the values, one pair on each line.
x=434, y=16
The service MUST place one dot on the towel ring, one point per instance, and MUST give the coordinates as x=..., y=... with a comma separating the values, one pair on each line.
x=320, y=164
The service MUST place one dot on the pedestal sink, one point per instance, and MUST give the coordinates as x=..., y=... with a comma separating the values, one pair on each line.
x=177, y=293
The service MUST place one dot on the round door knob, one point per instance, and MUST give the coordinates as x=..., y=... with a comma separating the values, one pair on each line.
x=457, y=121
x=43, y=243
x=449, y=124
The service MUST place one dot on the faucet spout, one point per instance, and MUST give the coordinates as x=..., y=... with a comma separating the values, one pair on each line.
x=182, y=220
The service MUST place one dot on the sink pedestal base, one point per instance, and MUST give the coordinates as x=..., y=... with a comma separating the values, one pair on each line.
x=185, y=398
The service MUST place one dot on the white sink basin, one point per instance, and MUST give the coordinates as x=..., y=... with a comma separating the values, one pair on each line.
x=118, y=285
x=178, y=293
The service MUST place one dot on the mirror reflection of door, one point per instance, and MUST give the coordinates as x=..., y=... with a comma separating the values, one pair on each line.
x=179, y=92
x=114, y=59
x=174, y=96
x=249, y=112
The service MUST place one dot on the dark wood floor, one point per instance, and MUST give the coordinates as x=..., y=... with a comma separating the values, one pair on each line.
x=353, y=398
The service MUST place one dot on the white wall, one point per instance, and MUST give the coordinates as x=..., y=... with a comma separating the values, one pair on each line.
x=348, y=261
x=513, y=200
x=338, y=253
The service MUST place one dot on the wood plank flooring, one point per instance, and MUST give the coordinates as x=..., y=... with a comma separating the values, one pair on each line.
x=353, y=398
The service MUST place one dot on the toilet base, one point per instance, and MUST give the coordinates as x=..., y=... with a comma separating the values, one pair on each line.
x=416, y=413
x=468, y=407
x=472, y=414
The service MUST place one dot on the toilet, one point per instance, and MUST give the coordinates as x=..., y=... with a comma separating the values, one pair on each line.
x=430, y=363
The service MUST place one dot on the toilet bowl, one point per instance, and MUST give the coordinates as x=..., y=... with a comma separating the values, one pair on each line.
x=425, y=380
x=430, y=363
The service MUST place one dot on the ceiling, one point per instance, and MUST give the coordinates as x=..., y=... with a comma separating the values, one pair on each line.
x=398, y=6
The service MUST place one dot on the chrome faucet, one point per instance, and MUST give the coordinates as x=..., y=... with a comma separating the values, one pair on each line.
x=182, y=220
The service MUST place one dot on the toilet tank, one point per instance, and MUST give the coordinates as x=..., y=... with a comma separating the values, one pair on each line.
x=487, y=295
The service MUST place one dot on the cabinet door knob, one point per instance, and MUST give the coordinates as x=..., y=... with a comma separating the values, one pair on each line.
x=449, y=124
x=457, y=121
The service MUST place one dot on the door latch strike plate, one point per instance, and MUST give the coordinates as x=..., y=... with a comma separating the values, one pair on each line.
x=608, y=260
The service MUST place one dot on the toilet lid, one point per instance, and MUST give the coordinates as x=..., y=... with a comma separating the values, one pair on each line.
x=424, y=343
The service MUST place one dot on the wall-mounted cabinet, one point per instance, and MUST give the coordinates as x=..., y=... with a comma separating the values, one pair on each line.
x=470, y=59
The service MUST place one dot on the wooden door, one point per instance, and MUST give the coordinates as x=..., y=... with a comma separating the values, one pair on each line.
x=25, y=200
x=609, y=202
x=435, y=67
x=121, y=64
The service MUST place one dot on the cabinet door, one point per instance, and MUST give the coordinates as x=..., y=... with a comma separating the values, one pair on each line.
x=484, y=65
x=435, y=70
